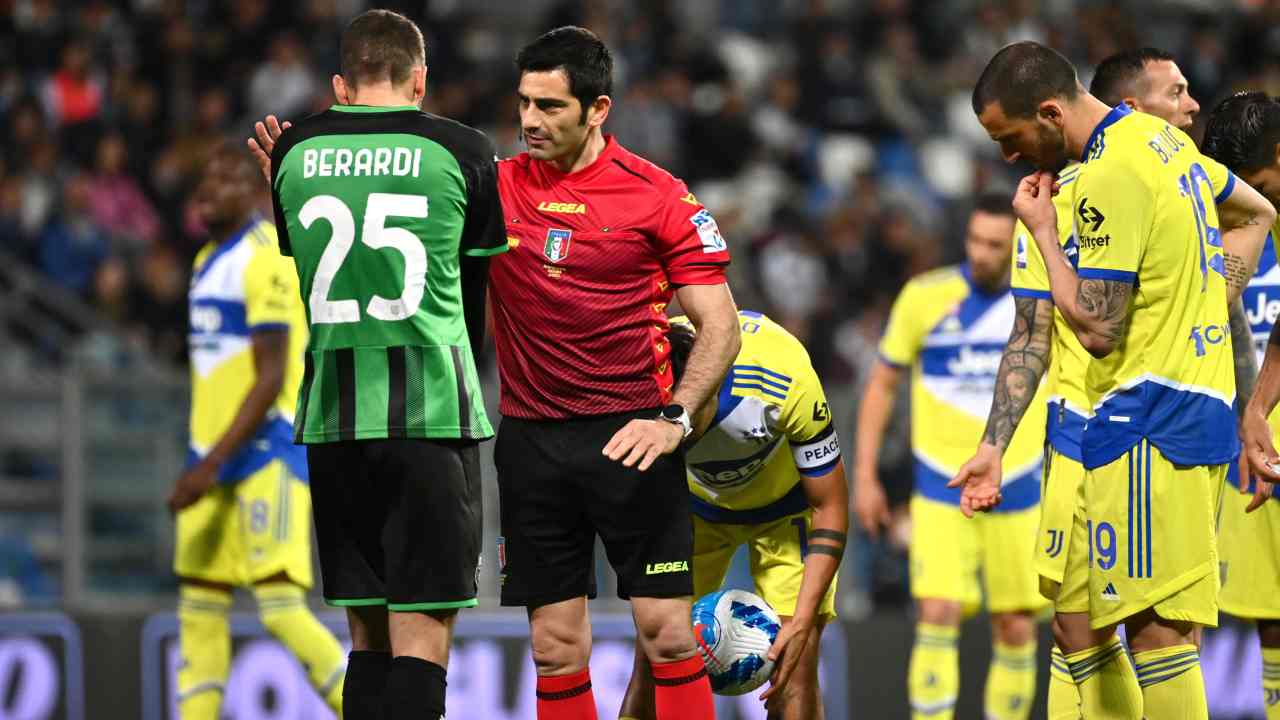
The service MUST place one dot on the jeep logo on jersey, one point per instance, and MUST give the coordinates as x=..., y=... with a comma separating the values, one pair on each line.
x=557, y=247
x=206, y=319
x=1090, y=214
x=974, y=362
x=563, y=208
x=708, y=231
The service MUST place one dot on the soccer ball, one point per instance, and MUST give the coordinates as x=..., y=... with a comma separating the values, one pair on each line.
x=734, y=630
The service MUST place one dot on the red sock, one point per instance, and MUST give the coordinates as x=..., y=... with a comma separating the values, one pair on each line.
x=682, y=690
x=566, y=697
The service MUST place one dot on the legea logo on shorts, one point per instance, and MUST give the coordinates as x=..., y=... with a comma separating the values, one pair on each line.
x=666, y=567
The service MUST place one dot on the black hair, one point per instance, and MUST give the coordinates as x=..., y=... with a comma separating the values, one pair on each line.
x=681, y=338
x=580, y=54
x=1121, y=74
x=1023, y=75
x=993, y=203
x=1243, y=131
x=381, y=45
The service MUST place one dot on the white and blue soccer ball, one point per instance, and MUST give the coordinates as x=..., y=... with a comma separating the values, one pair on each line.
x=734, y=630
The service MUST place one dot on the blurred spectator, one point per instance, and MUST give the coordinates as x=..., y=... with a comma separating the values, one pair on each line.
x=285, y=84
x=73, y=247
x=73, y=99
x=117, y=201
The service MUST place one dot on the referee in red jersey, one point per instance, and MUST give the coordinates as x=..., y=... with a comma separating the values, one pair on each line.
x=600, y=240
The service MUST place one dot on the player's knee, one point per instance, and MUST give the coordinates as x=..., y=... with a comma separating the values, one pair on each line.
x=1013, y=628
x=665, y=638
x=940, y=612
x=560, y=648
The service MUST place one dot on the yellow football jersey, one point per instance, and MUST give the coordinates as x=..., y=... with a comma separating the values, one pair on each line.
x=951, y=333
x=1065, y=382
x=772, y=425
x=238, y=287
x=1145, y=213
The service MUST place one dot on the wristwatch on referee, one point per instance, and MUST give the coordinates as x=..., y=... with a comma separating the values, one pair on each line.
x=677, y=415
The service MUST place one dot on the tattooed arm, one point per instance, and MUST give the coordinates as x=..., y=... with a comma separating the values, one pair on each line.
x=1023, y=364
x=1244, y=217
x=1246, y=359
x=1097, y=309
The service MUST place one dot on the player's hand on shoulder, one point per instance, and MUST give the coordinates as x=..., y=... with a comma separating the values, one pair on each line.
x=1033, y=203
x=643, y=441
x=192, y=486
x=979, y=481
x=268, y=131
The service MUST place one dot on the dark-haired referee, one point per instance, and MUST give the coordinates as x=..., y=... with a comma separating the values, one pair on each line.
x=600, y=241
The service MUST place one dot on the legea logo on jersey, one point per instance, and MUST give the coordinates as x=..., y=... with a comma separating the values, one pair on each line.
x=557, y=245
x=206, y=319
x=563, y=208
x=974, y=362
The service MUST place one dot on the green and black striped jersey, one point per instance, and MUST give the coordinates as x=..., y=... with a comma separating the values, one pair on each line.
x=378, y=206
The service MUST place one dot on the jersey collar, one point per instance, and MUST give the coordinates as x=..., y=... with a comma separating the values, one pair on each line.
x=606, y=156
x=226, y=247
x=373, y=108
x=1112, y=118
x=978, y=289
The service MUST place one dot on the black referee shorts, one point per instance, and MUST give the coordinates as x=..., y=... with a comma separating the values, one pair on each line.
x=398, y=522
x=558, y=491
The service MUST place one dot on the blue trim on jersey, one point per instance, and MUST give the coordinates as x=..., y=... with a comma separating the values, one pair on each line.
x=1104, y=274
x=225, y=247
x=752, y=376
x=795, y=501
x=1226, y=191
x=1065, y=431
x=757, y=368
x=761, y=388
x=1021, y=493
x=751, y=314
x=726, y=402
x=1063, y=182
x=1112, y=118
x=231, y=314
x=1189, y=428
x=274, y=440
x=268, y=326
x=1036, y=294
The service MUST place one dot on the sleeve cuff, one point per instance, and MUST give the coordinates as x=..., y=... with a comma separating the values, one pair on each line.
x=268, y=327
x=486, y=252
x=1037, y=294
x=1226, y=190
x=709, y=274
x=1104, y=274
x=893, y=363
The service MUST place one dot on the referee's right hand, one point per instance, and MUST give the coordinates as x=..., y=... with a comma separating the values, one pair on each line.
x=645, y=441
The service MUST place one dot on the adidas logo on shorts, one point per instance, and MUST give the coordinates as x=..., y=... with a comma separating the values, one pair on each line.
x=1109, y=592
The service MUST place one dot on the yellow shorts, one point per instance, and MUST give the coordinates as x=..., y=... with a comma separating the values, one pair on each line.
x=240, y=534
x=1248, y=561
x=1153, y=536
x=1059, y=487
x=965, y=560
x=776, y=563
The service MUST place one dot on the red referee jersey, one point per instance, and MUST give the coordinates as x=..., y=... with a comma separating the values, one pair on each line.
x=579, y=301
